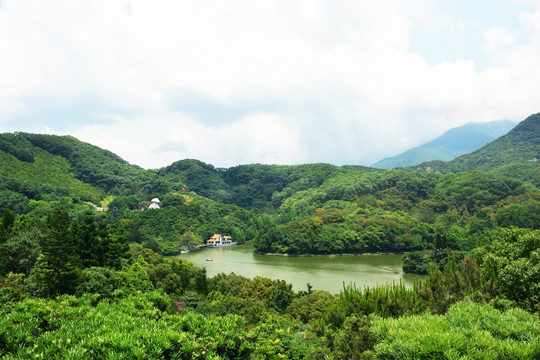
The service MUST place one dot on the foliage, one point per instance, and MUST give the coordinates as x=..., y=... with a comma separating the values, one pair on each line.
x=513, y=262
x=474, y=190
x=475, y=234
x=135, y=327
x=417, y=263
x=98, y=167
x=523, y=215
x=46, y=177
x=57, y=269
x=20, y=252
x=467, y=331
x=310, y=307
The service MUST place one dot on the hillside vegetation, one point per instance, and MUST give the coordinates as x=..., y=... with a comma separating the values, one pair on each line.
x=520, y=145
x=87, y=272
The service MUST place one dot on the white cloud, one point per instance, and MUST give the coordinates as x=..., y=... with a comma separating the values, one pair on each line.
x=283, y=82
x=263, y=138
x=497, y=37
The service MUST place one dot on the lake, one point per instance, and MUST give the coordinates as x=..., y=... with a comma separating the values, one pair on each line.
x=323, y=272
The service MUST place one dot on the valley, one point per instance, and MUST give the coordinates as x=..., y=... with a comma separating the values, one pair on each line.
x=90, y=242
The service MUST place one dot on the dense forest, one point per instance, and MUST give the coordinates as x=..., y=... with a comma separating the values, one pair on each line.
x=87, y=270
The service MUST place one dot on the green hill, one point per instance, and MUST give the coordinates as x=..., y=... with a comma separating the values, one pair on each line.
x=29, y=172
x=65, y=165
x=46, y=167
x=520, y=146
x=451, y=144
x=98, y=167
x=88, y=173
x=249, y=186
x=310, y=208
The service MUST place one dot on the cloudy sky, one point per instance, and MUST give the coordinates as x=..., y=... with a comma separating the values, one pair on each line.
x=270, y=81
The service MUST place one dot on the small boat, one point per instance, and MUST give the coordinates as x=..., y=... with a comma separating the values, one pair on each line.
x=209, y=259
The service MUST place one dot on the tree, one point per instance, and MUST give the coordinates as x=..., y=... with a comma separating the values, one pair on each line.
x=312, y=306
x=163, y=277
x=513, y=263
x=416, y=262
x=99, y=280
x=524, y=215
x=88, y=242
x=189, y=239
x=21, y=251
x=201, y=282
x=117, y=248
x=136, y=277
x=282, y=296
x=57, y=269
x=6, y=222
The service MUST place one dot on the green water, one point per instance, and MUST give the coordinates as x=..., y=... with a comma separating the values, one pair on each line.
x=323, y=272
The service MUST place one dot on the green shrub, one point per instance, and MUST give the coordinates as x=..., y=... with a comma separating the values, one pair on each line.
x=468, y=331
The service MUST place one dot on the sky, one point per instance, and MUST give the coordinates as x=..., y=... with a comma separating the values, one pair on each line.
x=274, y=82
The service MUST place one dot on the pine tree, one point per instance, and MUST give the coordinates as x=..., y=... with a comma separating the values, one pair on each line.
x=117, y=248
x=6, y=222
x=57, y=270
x=86, y=237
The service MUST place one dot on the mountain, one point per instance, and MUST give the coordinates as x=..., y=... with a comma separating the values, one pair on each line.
x=29, y=172
x=520, y=145
x=88, y=163
x=253, y=185
x=52, y=168
x=36, y=166
x=451, y=144
x=515, y=155
x=49, y=167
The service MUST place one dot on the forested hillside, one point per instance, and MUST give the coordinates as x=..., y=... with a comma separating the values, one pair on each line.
x=521, y=145
x=250, y=186
x=87, y=267
x=312, y=208
x=31, y=176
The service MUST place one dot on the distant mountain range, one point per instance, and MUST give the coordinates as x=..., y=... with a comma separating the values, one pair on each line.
x=48, y=167
x=516, y=154
x=451, y=144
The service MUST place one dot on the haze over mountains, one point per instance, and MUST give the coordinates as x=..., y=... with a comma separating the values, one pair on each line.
x=451, y=144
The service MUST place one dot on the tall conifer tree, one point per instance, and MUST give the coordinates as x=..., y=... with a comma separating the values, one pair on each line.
x=57, y=270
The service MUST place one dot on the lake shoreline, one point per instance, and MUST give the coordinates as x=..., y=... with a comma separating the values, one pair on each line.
x=329, y=255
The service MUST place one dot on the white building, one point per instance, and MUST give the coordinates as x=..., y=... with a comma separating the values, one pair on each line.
x=154, y=204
